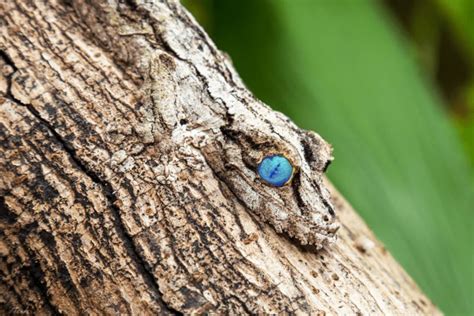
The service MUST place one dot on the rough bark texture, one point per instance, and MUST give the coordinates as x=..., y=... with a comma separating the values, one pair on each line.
x=128, y=147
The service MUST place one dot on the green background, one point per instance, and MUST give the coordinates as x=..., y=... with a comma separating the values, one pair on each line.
x=375, y=80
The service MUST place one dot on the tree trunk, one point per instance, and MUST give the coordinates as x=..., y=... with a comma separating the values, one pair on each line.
x=128, y=183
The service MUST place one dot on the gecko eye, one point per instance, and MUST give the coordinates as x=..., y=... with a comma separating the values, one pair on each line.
x=276, y=170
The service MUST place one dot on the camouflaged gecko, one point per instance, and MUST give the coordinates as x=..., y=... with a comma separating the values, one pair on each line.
x=208, y=108
x=300, y=207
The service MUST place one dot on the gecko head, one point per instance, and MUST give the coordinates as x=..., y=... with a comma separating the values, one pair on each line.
x=276, y=171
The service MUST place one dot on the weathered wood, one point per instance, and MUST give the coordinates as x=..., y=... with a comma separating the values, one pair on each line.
x=128, y=147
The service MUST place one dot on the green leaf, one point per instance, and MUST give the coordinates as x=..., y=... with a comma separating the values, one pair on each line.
x=460, y=16
x=341, y=68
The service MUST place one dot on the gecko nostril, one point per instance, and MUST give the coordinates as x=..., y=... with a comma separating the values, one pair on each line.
x=326, y=165
x=325, y=218
x=307, y=151
x=316, y=151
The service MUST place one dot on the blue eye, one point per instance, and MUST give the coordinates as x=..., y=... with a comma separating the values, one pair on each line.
x=275, y=170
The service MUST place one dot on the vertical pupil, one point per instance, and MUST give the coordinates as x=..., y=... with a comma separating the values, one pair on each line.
x=275, y=170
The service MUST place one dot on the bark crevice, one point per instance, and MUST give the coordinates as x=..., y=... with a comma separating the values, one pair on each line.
x=32, y=269
x=105, y=186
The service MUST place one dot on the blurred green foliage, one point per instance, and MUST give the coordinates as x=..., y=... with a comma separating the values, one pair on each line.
x=459, y=15
x=442, y=35
x=344, y=69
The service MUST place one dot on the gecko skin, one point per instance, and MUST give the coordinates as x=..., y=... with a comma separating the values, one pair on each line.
x=298, y=205
x=234, y=132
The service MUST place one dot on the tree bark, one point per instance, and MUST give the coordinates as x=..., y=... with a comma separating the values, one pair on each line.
x=128, y=147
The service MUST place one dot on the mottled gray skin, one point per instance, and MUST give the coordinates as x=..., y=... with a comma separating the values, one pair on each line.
x=234, y=131
x=301, y=208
